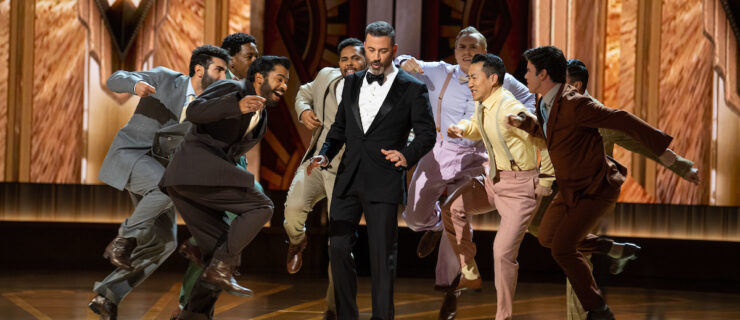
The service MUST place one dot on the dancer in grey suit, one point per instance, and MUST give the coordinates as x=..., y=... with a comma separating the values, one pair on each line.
x=148, y=236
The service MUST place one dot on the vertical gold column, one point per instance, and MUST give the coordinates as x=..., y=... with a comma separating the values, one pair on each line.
x=216, y=21
x=647, y=83
x=257, y=22
x=20, y=91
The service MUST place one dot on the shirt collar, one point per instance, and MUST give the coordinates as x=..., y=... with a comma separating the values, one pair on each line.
x=549, y=98
x=585, y=93
x=493, y=98
x=230, y=75
x=190, y=88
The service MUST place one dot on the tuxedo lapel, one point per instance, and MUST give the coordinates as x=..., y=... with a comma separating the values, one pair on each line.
x=355, y=107
x=394, y=96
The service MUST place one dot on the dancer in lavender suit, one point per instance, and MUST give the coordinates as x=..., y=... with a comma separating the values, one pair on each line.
x=453, y=161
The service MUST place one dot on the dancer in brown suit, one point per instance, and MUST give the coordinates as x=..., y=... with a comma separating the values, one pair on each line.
x=589, y=180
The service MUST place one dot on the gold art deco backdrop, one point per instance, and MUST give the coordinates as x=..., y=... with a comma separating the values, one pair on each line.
x=657, y=59
x=4, y=61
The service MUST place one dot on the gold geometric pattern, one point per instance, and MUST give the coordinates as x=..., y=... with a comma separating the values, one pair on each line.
x=685, y=109
x=179, y=34
x=58, y=88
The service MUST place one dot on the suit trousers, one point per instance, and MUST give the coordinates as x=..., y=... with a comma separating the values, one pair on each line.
x=194, y=271
x=154, y=225
x=203, y=208
x=382, y=228
x=598, y=245
x=305, y=191
x=513, y=195
x=565, y=229
x=446, y=167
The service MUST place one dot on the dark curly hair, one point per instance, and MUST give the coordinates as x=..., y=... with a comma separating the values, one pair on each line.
x=204, y=54
x=264, y=64
x=233, y=42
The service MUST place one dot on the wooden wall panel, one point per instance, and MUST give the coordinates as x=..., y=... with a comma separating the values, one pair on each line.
x=4, y=64
x=685, y=97
x=239, y=16
x=181, y=32
x=619, y=74
x=56, y=133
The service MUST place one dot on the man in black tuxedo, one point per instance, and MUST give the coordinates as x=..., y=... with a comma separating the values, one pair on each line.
x=379, y=108
x=203, y=181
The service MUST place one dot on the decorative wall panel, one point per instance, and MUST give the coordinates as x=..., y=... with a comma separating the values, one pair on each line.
x=239, y=13
x=58, y=87
x=307, y=32
x=503, y=22
x=180, y=33
x=4, y=64
x=619, y=76
x=685, y=95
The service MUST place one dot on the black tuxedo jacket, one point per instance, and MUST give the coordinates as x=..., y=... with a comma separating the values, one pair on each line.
x=405, y=107
x=209, y=154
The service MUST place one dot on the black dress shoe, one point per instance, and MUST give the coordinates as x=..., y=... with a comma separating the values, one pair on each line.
x=191, y=252
x=219, y=275
x=602, y=314
x=629, y=252
x=104, y=307
x=449, y=306
x=330, y=315
x=118, y=252
x=294, y=262
x=428, y=243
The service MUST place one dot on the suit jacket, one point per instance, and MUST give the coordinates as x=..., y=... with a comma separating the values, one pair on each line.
x=576, y=147
x=319, y=96
x=153, y=113
x=211, y=150
x=405, y=107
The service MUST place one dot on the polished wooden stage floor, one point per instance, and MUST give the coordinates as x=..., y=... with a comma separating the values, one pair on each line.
x=65, y=296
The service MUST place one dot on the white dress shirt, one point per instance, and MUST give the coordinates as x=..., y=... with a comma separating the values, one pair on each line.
x=338, y=92
x=373, y=95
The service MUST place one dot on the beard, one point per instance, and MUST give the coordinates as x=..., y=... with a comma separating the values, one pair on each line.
x=266, y=92
x=207, y=81
x=380, y=69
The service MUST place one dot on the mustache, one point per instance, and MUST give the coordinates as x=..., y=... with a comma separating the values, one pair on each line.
x=374, y=61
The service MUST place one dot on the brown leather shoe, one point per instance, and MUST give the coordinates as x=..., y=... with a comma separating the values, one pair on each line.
x=295, y=256
x=219, y=274
x=466, y=284
x=104, y=307
x=449, y=306
x=191, y=252
x=118, y=252
x=428, y=243
x=330, y=315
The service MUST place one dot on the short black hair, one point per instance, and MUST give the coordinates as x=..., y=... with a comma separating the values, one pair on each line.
x=264, y=64
x=577, y=71
x=381, y=29
x=549, y=58
x=354, y=42
x=204, y=55
x=233, y=42
x=492, y=64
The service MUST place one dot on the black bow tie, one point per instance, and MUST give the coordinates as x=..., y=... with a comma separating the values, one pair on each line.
x=379, y=78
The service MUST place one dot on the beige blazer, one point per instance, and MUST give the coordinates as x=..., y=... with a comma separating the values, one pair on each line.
x=319, y=95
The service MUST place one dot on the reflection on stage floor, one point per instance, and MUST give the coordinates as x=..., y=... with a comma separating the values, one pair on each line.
x=65, y=295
